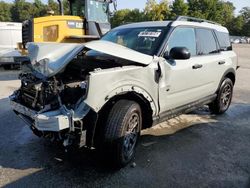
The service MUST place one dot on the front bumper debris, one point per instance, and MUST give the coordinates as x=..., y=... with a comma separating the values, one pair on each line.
x=54, y=121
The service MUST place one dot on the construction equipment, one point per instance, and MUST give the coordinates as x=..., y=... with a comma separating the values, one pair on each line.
x=89, y=20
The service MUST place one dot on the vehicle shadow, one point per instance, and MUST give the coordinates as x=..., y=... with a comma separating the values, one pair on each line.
x=207, y=154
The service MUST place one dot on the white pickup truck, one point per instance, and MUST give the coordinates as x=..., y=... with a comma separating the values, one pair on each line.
x=10, y=35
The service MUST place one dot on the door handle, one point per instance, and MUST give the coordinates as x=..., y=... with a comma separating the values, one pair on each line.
x=221, y=63
x=197, y=66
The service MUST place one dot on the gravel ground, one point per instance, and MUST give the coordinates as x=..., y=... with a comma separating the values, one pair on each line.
x=205, y=151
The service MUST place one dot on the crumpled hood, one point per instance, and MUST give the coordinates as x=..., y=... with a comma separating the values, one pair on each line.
x=51, y=58
x=120, y=51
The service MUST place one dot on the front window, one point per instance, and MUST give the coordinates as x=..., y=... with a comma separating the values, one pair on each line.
x=77, y=7
x=146, y=40
x=97, y=11
x=183, y=37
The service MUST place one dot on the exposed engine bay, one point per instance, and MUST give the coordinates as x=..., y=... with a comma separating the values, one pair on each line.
x=54, y=106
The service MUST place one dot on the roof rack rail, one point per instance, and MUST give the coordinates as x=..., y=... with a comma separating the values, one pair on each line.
x=193, y=19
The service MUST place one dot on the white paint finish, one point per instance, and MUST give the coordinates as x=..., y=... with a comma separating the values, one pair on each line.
x=105, y=84
x=120, y=51
x=181, y=84
x=10, y=34
x=51, y=121
x=186, y=84
x=200, y=24
x=51, y=58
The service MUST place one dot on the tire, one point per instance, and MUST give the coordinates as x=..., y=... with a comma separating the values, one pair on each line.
x=121, y=132
x=224, y=97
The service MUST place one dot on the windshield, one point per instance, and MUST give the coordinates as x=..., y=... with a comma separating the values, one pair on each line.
x=145, y=40
x=77, y=7
x=97, y=11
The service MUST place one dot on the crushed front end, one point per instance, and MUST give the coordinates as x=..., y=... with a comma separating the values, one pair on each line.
x=52, y=107
x=53, y=88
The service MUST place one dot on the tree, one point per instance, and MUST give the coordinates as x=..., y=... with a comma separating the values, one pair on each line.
x=39, y=9
x=196, y=8
x=214, y=10
x=155, y=11
x=53, y=6
x=5, y=15
x=236, y=26
x=246, y=29
x=225, y=13
x=245, y=13
x=21, y=10
x=179, y=8
x=66, y=7
x=127, y=16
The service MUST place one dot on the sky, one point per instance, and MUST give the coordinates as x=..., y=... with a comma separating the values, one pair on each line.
x=140, y=4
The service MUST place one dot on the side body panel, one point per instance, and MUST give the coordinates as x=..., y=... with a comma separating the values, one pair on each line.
x=181, y=84
x=231, y=62
x=104, y=84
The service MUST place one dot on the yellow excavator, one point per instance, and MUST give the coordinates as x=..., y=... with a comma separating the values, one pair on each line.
x=88, y=20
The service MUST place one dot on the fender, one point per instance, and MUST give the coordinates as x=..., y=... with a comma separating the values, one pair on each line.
x=230, y=70
x=105, y=84
x=123, y=90
x=136, y=89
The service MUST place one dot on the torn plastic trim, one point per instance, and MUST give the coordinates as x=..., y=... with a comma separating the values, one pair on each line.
x=55, y=120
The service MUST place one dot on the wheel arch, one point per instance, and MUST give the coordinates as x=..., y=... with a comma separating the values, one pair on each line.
x=229, y=73
x=147, y=113
x=139, y=98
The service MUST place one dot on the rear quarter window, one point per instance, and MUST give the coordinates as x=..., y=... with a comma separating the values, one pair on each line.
x=224, y=40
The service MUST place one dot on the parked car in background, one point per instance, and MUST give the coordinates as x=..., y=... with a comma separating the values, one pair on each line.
x=103, y=93
x=10, y=36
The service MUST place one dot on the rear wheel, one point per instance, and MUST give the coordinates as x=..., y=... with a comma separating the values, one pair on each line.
x=122, y=132
x=224, y=98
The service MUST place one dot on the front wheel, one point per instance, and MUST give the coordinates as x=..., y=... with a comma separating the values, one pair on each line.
x=224, y=97
x=122, y=132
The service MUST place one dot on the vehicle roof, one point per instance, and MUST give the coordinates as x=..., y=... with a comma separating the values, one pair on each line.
x=10, y=24
x=174, y=24
x=145, y=24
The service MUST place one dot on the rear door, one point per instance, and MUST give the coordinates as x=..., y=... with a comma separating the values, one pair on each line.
x=186, y=81
x=210, y=57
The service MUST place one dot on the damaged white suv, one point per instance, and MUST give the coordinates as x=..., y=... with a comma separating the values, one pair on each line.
x=103, y=93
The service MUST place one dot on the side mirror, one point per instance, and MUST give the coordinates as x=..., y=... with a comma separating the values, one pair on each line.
x=180, y=53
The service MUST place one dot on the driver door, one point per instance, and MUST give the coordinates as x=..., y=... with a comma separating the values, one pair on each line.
x=182, y=81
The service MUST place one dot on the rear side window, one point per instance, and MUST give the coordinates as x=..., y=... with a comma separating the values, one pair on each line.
x=224, y=40
x=183, y=37
x=206, y=43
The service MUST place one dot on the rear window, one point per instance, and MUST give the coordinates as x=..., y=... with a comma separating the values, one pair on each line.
x=224, y=40
x=206, y=43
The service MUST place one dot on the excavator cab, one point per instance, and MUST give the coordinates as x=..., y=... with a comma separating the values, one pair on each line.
x=89, y=20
